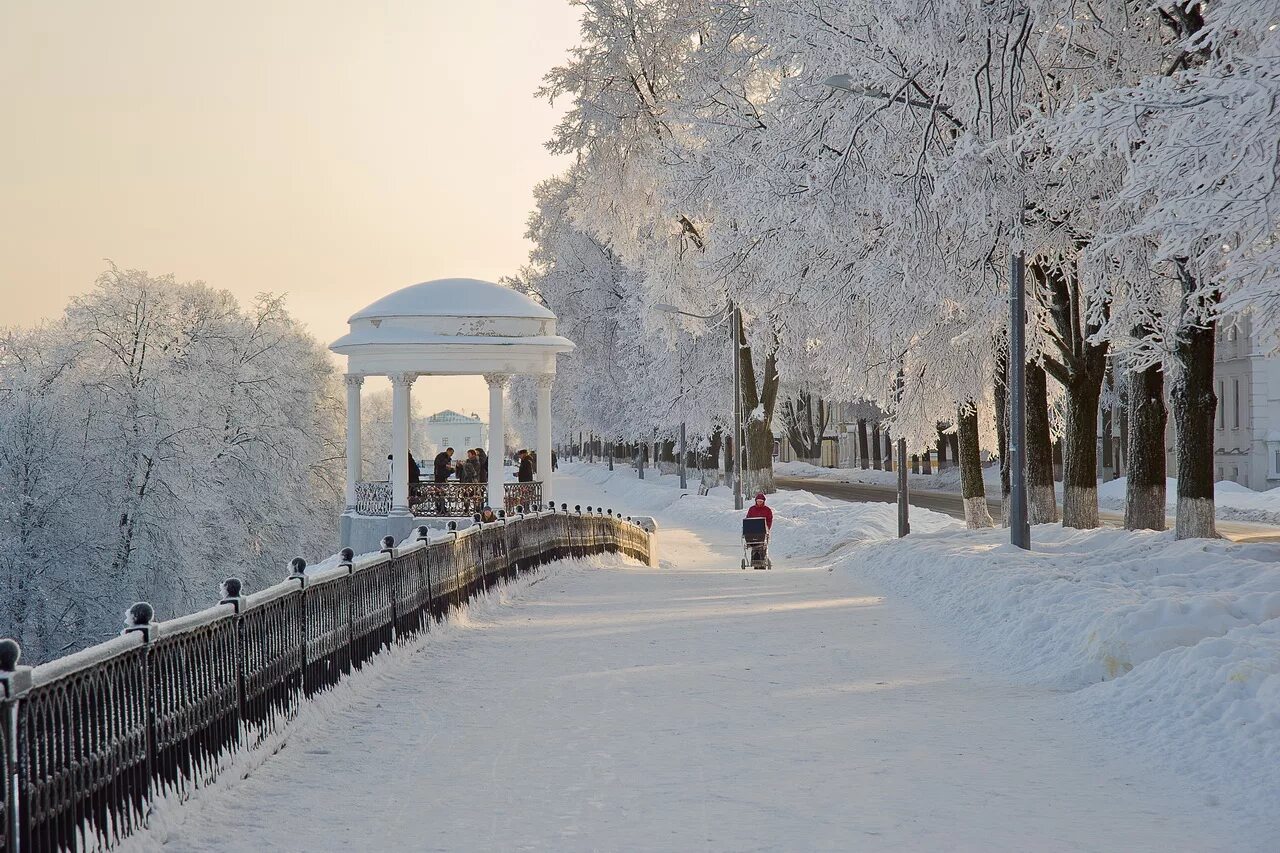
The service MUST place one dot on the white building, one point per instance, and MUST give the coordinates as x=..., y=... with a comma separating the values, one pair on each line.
x=450, y=429
x=1246, y=445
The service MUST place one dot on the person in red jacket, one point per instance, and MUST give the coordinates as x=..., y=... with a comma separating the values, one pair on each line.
x=759, y=510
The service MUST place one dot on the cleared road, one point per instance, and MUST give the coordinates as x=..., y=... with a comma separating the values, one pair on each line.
x=951, y=504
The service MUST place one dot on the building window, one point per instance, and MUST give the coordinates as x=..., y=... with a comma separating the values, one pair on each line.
x=466, y=439
x=1219, y=477
x=1222, y=407
x=445, y=439
x=1235, y=470
x=1235, y=407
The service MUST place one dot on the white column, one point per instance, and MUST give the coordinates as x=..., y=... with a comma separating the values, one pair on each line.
x=400, y=385
x=497, y=438
x=544, y=435
x=353, y=438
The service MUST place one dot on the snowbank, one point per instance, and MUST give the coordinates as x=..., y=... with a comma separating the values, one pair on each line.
x=1233, y=501
x=1174, y=646
x=947, y=480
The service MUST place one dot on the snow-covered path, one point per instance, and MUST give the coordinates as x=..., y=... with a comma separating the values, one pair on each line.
x=693, y=708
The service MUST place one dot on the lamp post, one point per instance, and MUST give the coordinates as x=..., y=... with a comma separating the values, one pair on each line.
x=735, y=326
x=904, y=519
x=1019, y=530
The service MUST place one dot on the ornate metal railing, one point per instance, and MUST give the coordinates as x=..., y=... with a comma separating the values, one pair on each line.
x=522, y=494
x=451, y=499
x=88, y=741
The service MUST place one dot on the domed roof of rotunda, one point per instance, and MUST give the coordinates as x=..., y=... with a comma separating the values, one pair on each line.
x=452, y=326
x=454, y=297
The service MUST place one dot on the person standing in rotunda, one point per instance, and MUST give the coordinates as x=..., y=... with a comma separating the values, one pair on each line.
x=444, y=465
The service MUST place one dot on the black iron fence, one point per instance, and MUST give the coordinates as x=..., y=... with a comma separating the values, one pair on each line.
x=88, y=741
x=450, y=499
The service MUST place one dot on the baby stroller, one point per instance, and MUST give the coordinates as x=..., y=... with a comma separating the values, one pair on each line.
x=755, y=544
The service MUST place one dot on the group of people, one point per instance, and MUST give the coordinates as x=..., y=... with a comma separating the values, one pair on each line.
x=473, y=469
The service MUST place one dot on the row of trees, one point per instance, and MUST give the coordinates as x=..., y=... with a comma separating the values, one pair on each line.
x=856, y=178
x=155, y=439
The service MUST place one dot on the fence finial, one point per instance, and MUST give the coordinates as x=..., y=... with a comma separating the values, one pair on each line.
x=519, y=509
x=453, y=526
x=347, y=557
x=578, y=508
x=424, y=533
x=14, y=680
x=139, y=618
x=10, y=654
x=388, y=545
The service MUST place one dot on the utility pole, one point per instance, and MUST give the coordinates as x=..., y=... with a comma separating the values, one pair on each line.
x=904, y=519
x=684, y=480
x=736, y=332
x=1019, y=528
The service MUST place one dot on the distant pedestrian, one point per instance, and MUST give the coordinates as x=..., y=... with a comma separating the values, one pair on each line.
x=415, y=475
x=482, y=465
x=555, y=462
x=524, y=473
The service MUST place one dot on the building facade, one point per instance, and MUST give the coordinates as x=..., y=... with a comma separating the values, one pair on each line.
x=451, y=429
x=1247, y=425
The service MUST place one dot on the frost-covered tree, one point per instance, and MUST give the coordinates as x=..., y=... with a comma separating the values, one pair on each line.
x=159, y=437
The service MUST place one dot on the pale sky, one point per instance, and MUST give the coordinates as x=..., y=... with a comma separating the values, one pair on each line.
x=333, y=151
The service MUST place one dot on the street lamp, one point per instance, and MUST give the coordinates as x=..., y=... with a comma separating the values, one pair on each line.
x=735, y=327
x=1019, y=529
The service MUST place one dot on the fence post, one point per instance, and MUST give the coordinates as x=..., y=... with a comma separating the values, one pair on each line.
x=15, y=681
x=389, y=548
x=298, y=572
x=140, y=619
x=424, y=536
x=232, y=593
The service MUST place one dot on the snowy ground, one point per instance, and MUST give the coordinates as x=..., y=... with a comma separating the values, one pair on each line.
x=606, y=706
x=1233, y=501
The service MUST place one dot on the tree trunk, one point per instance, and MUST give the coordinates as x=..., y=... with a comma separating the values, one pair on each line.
x=972, y=489
x=955, y=446
x=915, y=463
x=877, y=452
x=1122, y=451
x=1042, y=504
x=1080, y=455
x=1080, y=365
x=925, y=465
x=863, y=454
x=1194, y=404
x=1002, y=437
x=1144, y=496
x=888, y=452
x=942, y=446
x=1108, y=444
x=757, y=404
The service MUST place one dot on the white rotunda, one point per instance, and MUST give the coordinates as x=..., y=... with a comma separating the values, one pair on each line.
x=453, y=326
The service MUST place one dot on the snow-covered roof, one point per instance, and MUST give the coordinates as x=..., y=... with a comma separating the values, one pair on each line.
x=453, y=297
x=449, y=416
x=454, y=326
